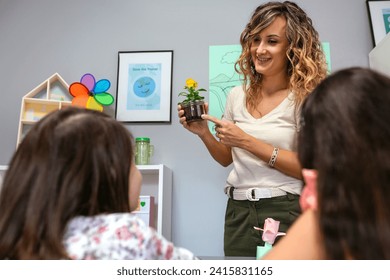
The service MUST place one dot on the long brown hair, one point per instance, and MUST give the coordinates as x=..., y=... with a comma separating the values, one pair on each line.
x=345, y=132
x=73, y=162
x=307, y=64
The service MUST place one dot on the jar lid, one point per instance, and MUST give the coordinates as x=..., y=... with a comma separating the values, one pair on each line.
x=142, y=139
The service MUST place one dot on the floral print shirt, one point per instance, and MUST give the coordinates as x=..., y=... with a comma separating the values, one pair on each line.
x=118, y=236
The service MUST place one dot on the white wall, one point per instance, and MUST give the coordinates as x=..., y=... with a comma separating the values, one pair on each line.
x=72, y=37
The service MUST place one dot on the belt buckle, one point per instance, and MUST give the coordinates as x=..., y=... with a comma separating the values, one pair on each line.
x=251, y=194
x=229, y=191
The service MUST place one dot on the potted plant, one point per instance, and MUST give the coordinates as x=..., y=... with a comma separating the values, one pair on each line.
x=193, y=104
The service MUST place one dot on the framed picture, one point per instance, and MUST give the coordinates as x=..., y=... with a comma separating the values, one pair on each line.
x=379, y=14
x=144, y=86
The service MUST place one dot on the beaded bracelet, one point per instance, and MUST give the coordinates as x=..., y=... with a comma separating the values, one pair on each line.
x=273, y=158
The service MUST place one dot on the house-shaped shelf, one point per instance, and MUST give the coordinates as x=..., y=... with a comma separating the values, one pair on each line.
x=50, y=95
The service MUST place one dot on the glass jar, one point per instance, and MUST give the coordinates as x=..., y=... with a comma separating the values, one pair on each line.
x=143, y=150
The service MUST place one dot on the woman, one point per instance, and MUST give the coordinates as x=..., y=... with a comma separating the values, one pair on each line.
x=68, y=192
x=281, y=62
x=345, y=151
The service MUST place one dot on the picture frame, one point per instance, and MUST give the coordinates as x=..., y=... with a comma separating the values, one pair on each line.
x=144, y=86
x=379, y=16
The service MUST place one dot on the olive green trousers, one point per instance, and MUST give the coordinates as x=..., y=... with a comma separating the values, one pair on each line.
x=240, y=238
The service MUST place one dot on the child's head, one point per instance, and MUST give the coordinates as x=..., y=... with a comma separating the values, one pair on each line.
x=344, y=135
x=72, y=162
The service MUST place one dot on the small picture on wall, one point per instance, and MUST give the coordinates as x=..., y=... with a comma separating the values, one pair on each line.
x=379, y=15
x=144, y=88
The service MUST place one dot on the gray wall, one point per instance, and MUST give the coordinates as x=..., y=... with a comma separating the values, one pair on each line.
x=72, y=37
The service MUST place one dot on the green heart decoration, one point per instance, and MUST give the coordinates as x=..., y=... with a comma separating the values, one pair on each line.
x=143, y=203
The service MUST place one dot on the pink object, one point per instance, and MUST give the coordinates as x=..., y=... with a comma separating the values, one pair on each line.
x=308, y=199
x=270, y=231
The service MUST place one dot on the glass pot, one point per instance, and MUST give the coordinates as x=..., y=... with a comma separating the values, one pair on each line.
x=193, y=110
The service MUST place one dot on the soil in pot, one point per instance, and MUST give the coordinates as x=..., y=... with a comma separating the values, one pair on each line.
x=194, y=110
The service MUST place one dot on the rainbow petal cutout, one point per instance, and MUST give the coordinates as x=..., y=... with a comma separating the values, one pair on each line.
x=91, y=94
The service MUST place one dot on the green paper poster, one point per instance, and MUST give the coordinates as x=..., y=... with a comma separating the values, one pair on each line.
x=222, y=77
x=326, y=48
x=386, y=19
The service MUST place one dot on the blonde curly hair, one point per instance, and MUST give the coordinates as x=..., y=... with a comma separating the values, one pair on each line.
x=307, y=65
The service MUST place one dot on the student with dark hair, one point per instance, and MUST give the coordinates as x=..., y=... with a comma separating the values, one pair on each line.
x=344, y=149
x=69, y=190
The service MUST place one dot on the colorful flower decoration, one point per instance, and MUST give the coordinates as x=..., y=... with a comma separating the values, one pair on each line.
x=91, y=94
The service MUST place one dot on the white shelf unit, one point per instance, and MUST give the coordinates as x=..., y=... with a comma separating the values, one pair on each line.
x=157, y=182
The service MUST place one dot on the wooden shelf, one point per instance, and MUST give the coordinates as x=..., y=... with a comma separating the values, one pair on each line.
x=49, y=96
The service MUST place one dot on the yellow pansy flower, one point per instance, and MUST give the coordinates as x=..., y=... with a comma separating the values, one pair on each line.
x=191, y=83
x=192, y=94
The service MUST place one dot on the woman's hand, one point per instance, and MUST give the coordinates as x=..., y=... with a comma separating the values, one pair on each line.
x=227, y=132
x=231, y=135
x=220, y=152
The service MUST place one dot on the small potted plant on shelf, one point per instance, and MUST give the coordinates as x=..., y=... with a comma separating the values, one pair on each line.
x=193, y=104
